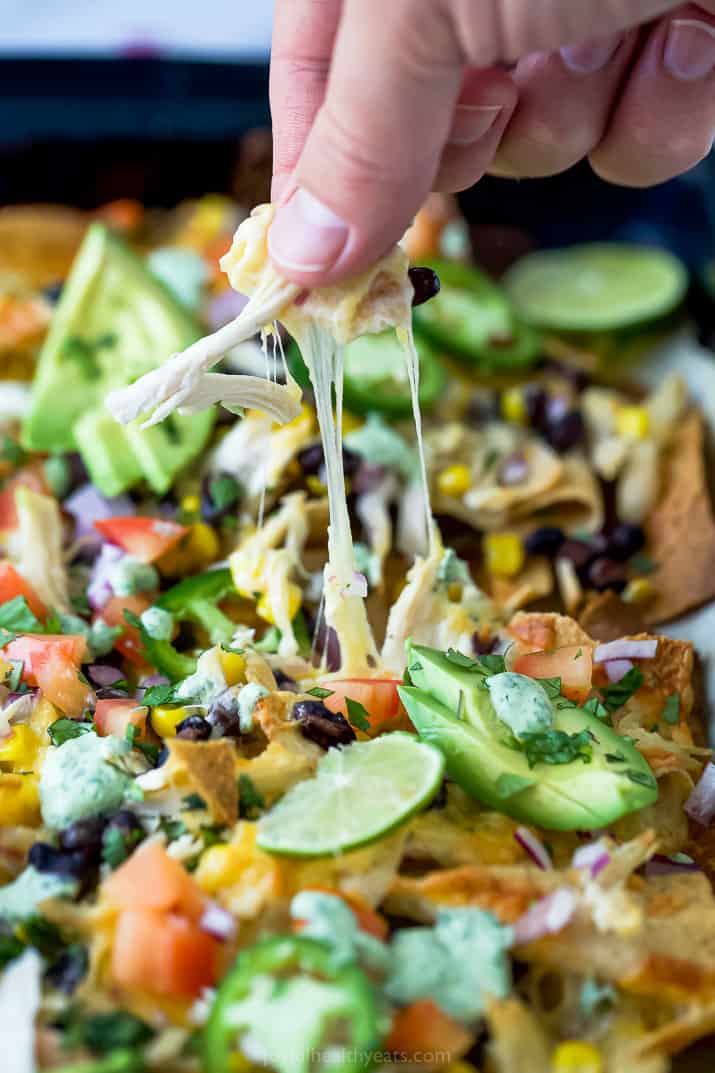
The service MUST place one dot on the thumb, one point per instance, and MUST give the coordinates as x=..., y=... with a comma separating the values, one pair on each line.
x=374, y=149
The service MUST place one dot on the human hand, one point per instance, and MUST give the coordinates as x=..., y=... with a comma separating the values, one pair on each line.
x=377, y=102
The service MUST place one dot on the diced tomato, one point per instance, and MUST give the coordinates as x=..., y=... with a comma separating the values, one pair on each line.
x=129, y=643
x=60, y=683
x=533, y=632
x=423, y=1028
x=113, y=716
x=378, y=696
x=151, y=879
x=573, y=664
x=163, y=953
x=34, y=649
x=13, y=585
x=28, y=477
x=145, y=538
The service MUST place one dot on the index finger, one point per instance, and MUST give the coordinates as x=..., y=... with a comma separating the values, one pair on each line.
x=303, y=35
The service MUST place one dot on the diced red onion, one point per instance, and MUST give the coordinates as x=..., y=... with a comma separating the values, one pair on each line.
x=617, y=669
x=535, y=849
x=100, y=590
x=368, y=477
x=700, y=806
x=218, y=922
x=660, y=865
x=548, y=917
x=225, y=307
x=624, y=649
x=27, y=700
x=88, y=506
x=104, y=675
x=514, y=470
x=592, y=856
x=154, y=680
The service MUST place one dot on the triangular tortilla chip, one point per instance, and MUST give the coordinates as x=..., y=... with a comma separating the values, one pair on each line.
x=211, y=770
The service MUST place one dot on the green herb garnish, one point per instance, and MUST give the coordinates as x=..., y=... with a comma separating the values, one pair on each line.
x=557, y=747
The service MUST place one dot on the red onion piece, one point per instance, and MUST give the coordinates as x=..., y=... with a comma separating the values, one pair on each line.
x=547, y=917
x=218, y=922
x=100, y=590
x=535, y=849
x=700, y=806
x=660, y=865
x=25, y=702
x=225, y=307
x=593, y=856
x=624, y=649
x=154, y=680
x=514, y=470
x=617, y=669
x=104, y=675
x=88, y=506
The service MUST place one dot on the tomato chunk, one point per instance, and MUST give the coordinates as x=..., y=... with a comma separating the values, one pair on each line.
x=145, y=538
x=129, y=642
x=573, y=664
x=113, y=716
x=34, y=649
x=151, y=879
x=423, y=1028
x=378, y=696
x=163, y=953
x=13, y=584
x=60, y=683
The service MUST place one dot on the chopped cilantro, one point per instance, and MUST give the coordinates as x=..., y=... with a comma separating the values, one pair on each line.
x=552, y=687
x=11, y=451
x=64, y=729
x=491, y=664
x=250, y=799
x=643, y=564
x=10, y=948
x=485, y=665
x=173, y=829
x=211, y=834
x=117, y=844
x=45, y=936
x=643, y=778
x=556, y=747
x=149, y=750
x=16, y=616
x=358, y=715
x=162, y=694
x=270, y=641
x=616, y=695
x=671, y=709
x=192, y=802
x=508, y=785
x=320, y=693
x=234, y=651
x=596, y=707
x=224, y=491
x=460, y=660
x=105, y=1033
x=615, y=758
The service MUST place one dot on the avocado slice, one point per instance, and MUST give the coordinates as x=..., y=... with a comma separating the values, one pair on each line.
x=114, y=322
x=485, y=759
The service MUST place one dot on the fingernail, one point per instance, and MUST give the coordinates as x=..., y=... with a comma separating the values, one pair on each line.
x=590, y=56
x=306, y=235
x=472, y=121
x=690, y=49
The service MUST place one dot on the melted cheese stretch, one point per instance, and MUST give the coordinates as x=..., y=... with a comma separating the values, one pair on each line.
x=329, y=317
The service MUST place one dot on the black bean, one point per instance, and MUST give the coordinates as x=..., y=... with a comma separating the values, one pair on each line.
x=74, y=864
x=352, y=462
x=579, y=552
x=425, y=283
x=440, y=798
x=53, y=291
x=604, y=573
x=320, y=725
x=483, y=408
x=576, y=377
x=535, y=400
x=223, y=715
x=220, y=495
x=285, y=682
x=162, y=756
x=625, y=540
x=544, y=541
x=83, y=834
x=194, y=728
x=70, y=968
x=311, y=458
x=368, y=477
x=565, y=432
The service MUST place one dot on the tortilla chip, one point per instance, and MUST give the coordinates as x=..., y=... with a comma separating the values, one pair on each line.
x=38, y=242
x=518, y=1042
x=681, y=530
x=532, y=583
x=606, y=617
x=670, y=672
x=211, y=770
x=505, y=891
x=537, y=631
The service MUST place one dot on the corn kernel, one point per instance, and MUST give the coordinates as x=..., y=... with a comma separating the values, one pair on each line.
x=233, y=666
x=315, y=485
x=217, y=868
x=19, y=801
x=503, y=553
x=202, y=545
x=351, y=422
x=5, y=669
x=573, y=1056
x=513, y=406
x=190, y=504
x=264, y=607
x=638, y=591
x=20, y=748
x=633, y=422
x=166, y=717
x=454, y=480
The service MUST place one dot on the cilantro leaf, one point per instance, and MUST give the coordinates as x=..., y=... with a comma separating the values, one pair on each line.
x=320, y=693
x=358, y=715
x=192, y=802
x=642, y=563
x=250, y=799
x=173, y=829
x=508, y=785
x=118, y=844
x=491, y=664
x=671, y=709
x=552, y=687
x=597, y=708
x=104, y=1033
x=16, y=616
x=642, y=778
x=163, y=694
x=460, y=660
x=556, y=747
x=11, y=451
x=224, y=491
x=616, y=695
x=64, y=729
x=10, y=948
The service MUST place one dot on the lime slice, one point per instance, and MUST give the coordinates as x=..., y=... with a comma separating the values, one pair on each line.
x=358, y=794
x=598, y=287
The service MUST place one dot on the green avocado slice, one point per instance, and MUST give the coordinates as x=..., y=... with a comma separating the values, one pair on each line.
x=114, y=322
x=485, y=759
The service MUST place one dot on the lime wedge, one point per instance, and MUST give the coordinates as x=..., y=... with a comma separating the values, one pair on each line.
x=596, y=287
x=358, y=794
